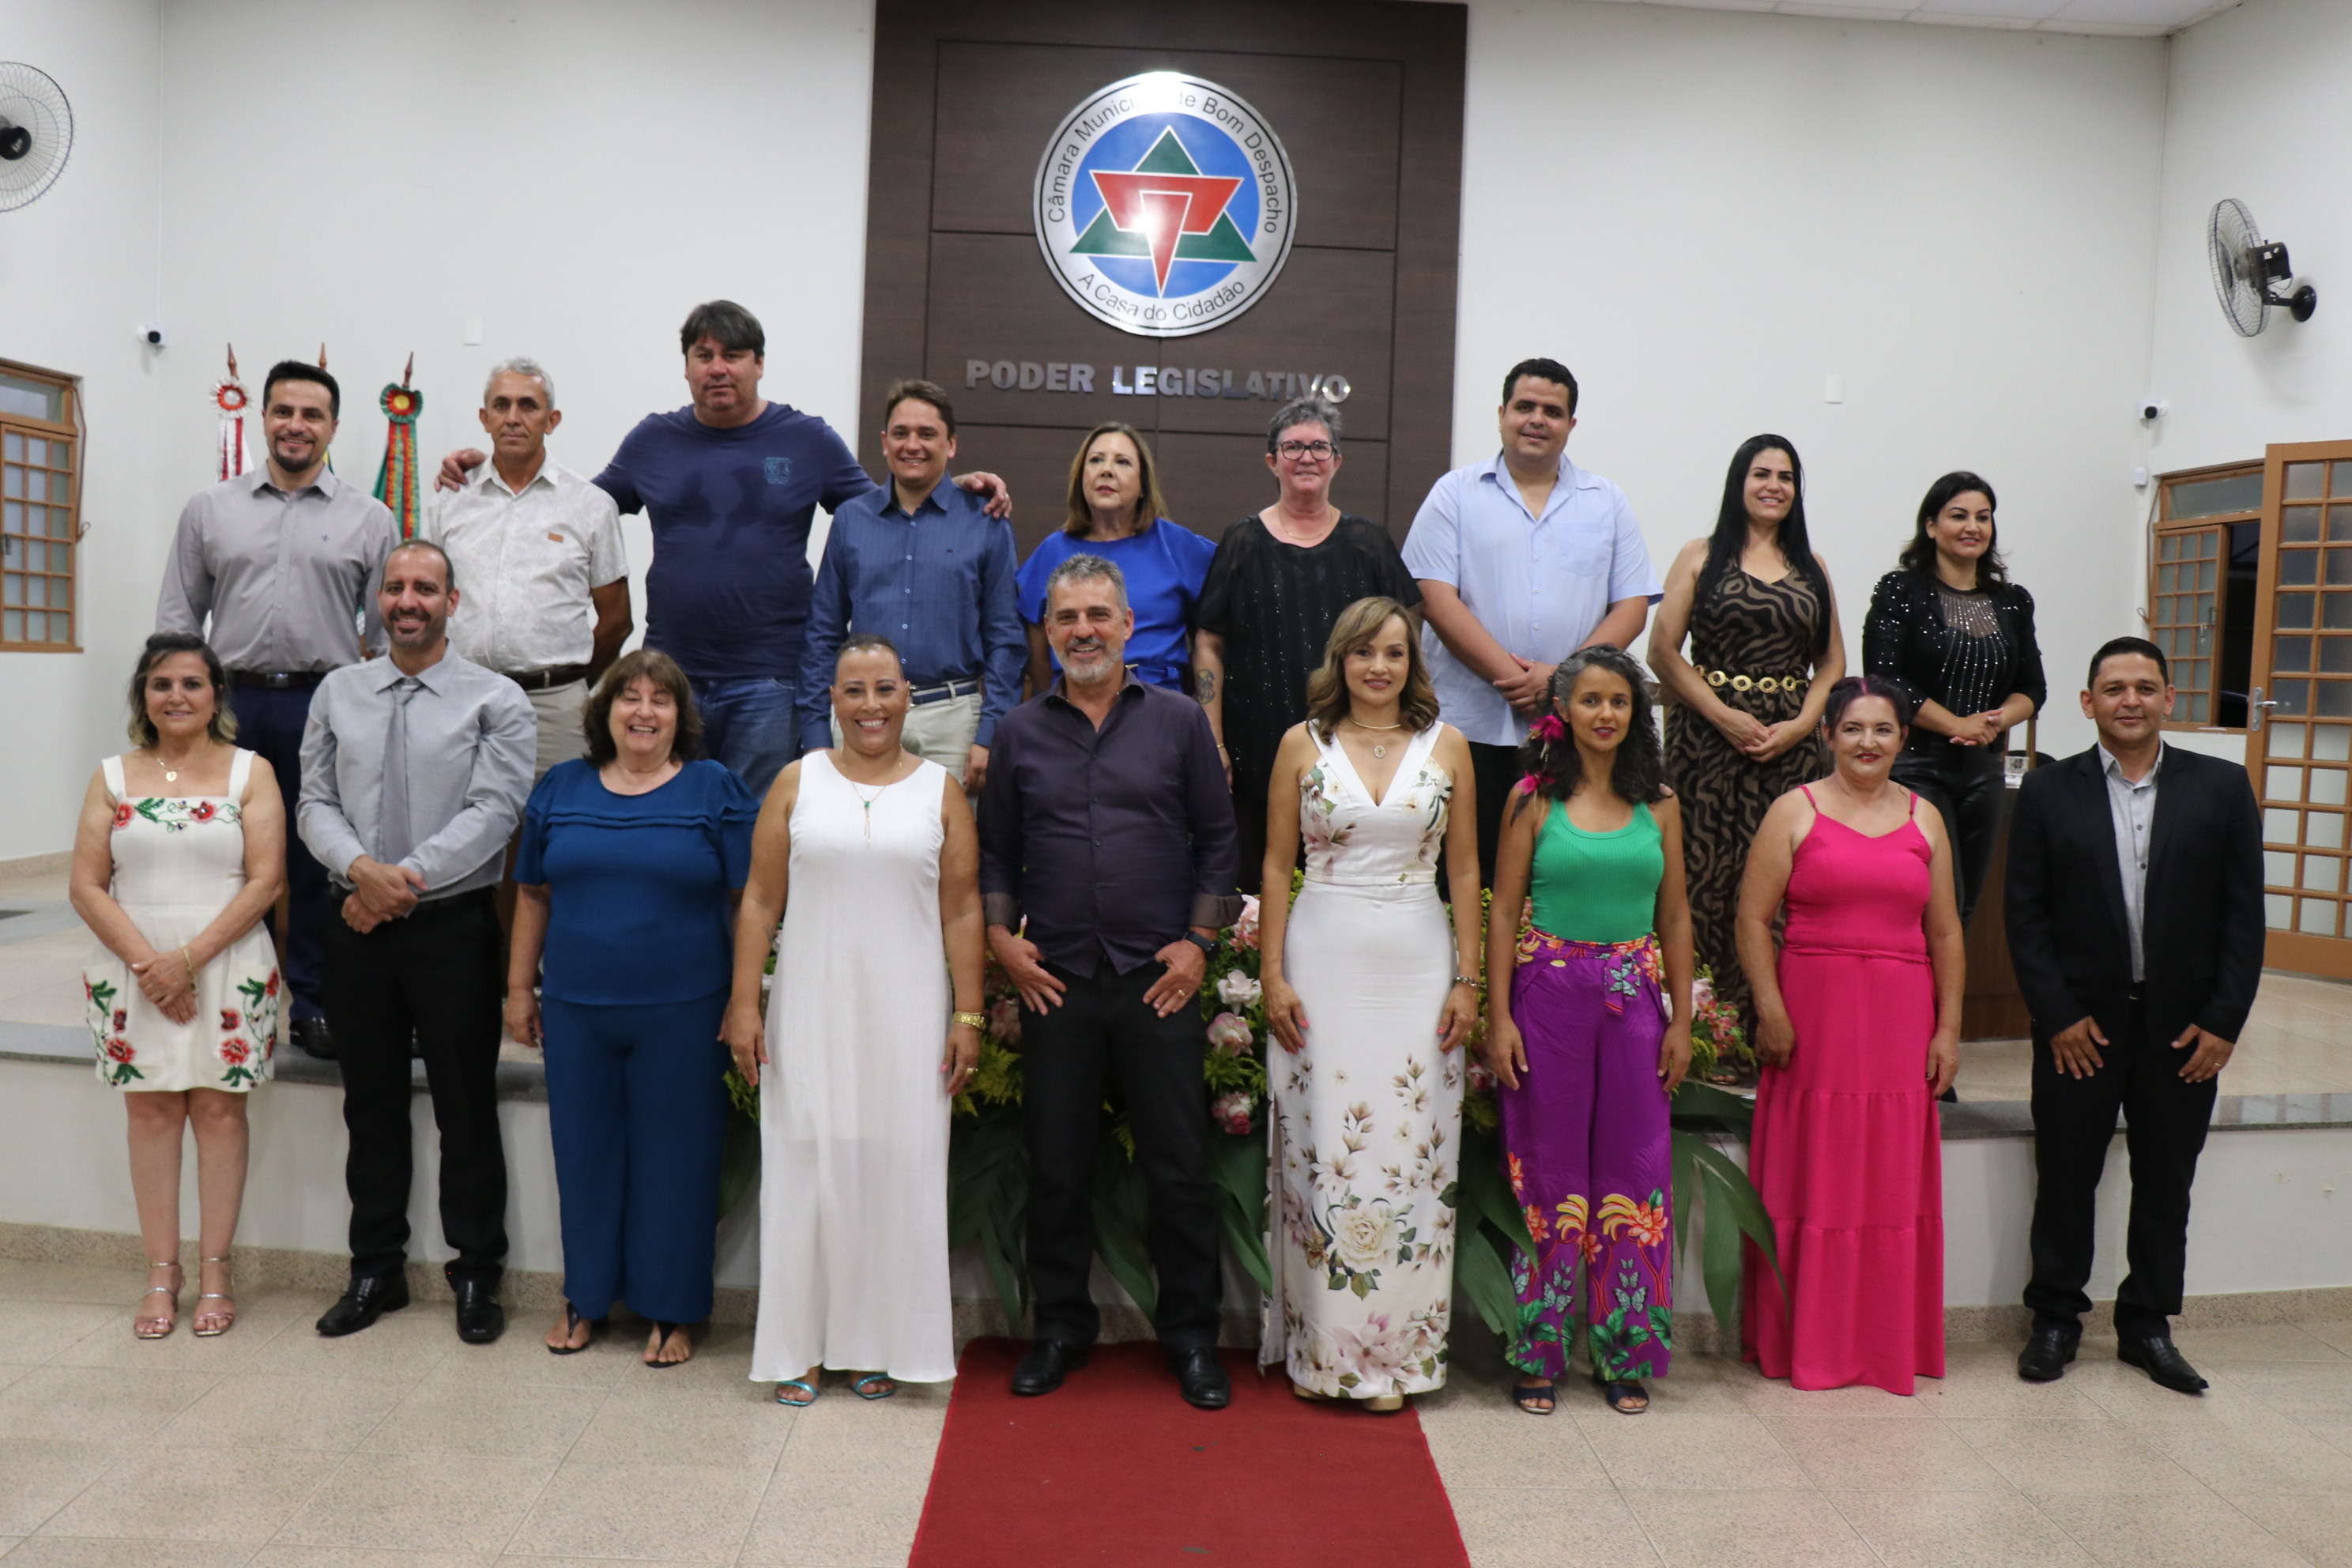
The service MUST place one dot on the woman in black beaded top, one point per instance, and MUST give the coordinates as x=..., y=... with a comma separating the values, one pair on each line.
x=1951, y=630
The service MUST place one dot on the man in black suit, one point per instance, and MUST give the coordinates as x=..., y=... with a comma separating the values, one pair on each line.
x=2135, y=923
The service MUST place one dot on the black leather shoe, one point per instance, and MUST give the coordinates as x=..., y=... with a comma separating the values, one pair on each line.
x=1202, y=1378
x=1048, y=1362
x=315, y=1038
x=363, y=1303
x=2157, y=1357
x=480, y=1319
x=2047, y=1351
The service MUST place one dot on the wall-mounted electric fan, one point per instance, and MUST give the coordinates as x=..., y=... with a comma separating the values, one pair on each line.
x=2249, y=276
x=35, y=133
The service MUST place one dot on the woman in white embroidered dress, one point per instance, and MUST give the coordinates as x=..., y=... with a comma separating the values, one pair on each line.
x=1371, y=997
x=179, y=857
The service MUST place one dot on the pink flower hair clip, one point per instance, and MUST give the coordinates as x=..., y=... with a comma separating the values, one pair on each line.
x=1549, y=729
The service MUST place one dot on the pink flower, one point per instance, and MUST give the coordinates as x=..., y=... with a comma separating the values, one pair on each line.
x=1702, y=994
x=1480, y=1078
x=235, y=1052
x=1004, y=1020
x=1230, y=1033
x=1231, y=1110
x=1548, y=728
x=1245, y=928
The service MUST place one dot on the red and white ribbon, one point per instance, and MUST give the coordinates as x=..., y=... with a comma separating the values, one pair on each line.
x=230, y=398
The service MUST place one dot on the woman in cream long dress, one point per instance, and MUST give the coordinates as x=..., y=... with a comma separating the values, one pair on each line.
x=1364, y=993
x=178, y=857
x=872, y=854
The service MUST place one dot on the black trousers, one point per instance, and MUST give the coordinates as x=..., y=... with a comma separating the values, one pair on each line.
x=438, y=973
x=269, y=722
x=1104, y=1025
x=2073, y=1123
x=1964, y=784
x=1496, y=769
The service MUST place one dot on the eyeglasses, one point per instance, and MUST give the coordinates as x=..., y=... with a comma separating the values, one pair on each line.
x=1295, y=450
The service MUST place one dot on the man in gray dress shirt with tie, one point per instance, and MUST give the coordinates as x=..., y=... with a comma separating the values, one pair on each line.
x=415, y=770
x=284, y=561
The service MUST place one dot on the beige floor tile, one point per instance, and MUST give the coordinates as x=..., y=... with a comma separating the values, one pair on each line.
x=2192, y=1530
x=86, y=1551
x=2128, y=1394
x=1912, y=1529
x=1506, y=1448
x=2063, y=1458
x=403, y=1347
x=808, y=1520
x=889, y=1436
x=699, y=1432
x=248, y=1410
x=2338, y=1435
x=1748, y=1529
x=1778, y=1396
x=1507, y=1527
x=101, y=1403
x=1697, y=1385
x=520, y=1356
x=2241, y=1455
x=2262, y=1342
x=173, y=1494
x=1872, y=1456
x=2315, y=1391
x=11, y=1370
x=33, y=1332
x=275, y=1555
x=111, y=1343
x=503, y=1420
x=1714, y=1452
x=2319, y=1527
x=1988, y=1388
x=695, y=1513
x=722, y=1363
x=2336, y=1331
x=420, y=1502
x=25, y=1282
x=38, y=1477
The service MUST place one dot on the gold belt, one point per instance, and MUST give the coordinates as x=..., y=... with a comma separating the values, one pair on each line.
x=1756, y=682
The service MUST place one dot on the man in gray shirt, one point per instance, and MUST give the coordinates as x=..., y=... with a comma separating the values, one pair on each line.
x=284, y=562
x=415, y=770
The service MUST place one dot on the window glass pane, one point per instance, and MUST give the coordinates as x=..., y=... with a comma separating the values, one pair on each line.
x=60, y=522
x=2336, y=655
x=61, y=488
x=12, y=447
x=60, y=557
x=11, y=514
x=2295, y=610
x=2277, y=911
x=2334, y=699
x=2279, y=826
x=2197, y=707
x=12, y=588
x=2168, y=546
x=2292, y=696
x=2304, y=480
x=2331, y=742
x=2282, y=783
x=2336, y=614
x=2292, y=654
x=2317, y=917
x=12, y=550
x=2210, y=498
x=33, y=399
x=12, y=481
x=2327, y=786
x=36, y=451
x=2300, y=525
x=12, y=626
x=2286, y=741
x=2341, y=473
x=2324, y=829
x=61, y=454
x=2167, y=578
x=2322, y=874
x=61, y=592
x=2206, y=578
x=2278, y=867
x=2339, y=522
x=36, y=627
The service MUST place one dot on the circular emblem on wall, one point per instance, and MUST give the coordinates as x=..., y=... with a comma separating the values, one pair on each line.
x=1164, y=205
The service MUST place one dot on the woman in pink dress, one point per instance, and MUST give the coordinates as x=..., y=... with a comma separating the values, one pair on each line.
x=1858, y=1025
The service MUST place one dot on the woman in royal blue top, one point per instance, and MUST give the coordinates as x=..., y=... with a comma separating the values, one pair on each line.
x=1114, y=511
x=632, y=861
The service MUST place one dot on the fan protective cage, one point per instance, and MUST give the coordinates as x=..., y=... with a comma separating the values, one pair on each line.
x=2231, y=243
x=31, y=100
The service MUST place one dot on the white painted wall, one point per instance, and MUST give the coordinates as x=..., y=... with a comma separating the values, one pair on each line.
x=1706, y=214
x=78, y=273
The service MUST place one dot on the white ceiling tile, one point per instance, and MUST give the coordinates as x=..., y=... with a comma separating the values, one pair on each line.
x=2148, y=13
x=1988, y=10
x=2125, y=18
x=1888, y=11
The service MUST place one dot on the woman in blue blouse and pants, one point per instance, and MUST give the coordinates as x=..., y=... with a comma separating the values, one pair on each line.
x=631, y=862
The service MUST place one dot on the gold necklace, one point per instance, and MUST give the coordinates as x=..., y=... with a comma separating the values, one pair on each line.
x=866, y=801
x=1380, y=750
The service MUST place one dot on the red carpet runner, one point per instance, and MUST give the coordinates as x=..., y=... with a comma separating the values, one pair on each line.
x=1113, y=1467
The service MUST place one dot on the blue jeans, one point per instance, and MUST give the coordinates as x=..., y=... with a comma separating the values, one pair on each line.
x=269, y=724
x=751, y=726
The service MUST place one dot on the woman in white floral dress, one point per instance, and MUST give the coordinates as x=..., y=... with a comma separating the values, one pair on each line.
x=180, y=854
x=1371, y=997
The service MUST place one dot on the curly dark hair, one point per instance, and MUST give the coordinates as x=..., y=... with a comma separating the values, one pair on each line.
x=596, y=719
x=1639, y=772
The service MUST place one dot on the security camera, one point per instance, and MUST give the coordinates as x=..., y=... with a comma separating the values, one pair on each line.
x=151, y=334
x=2153, y=408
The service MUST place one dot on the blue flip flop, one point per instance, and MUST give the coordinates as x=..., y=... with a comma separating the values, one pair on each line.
x=809, y=1389
x=858, y=1385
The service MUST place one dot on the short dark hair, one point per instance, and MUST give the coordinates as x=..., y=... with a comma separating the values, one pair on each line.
x=920, y=391
x=448, y=567
x=1542, y=370
x=161, y=647
x=657, y=667
x=2117, y=647
x=1846, y=693
x=1919, y=555
x=726, y=323
x=867, y=642
x=1316, y=410
x=295, y=370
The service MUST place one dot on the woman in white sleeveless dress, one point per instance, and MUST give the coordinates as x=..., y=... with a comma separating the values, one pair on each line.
x=179, y=856
x=870, y=857
x=1370, y=997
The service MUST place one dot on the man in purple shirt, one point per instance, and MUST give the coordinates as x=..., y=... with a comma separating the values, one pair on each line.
x=1107, y=825
x=732, y=484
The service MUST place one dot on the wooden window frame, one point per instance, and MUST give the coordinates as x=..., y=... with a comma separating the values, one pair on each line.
x=72, y=431
x=2163, y=526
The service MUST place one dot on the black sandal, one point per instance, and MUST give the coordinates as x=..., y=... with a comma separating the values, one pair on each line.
x=1623, y=1394
x=1525, y=1395
x=666, y=1330
x=572, y=1322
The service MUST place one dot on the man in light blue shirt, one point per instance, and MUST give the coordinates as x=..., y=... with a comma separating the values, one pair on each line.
x=1522, y=559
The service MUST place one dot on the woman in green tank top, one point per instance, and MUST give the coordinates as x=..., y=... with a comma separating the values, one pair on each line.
x=1580, y=1034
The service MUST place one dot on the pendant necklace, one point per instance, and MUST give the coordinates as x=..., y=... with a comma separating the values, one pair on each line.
x=865, y=800
x=1381, y=750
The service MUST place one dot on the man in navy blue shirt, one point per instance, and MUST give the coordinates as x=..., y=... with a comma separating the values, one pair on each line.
x=732, y=484
x=923, y=564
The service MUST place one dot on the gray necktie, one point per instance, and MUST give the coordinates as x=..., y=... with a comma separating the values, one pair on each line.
x=394, y=832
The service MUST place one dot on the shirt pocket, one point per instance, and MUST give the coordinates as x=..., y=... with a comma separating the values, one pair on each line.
x=1584, y=548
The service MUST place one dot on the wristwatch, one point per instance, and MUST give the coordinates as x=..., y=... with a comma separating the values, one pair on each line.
x=1208, y=947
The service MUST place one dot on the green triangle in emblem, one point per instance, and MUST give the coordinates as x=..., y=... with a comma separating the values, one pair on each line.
x=1222, y=243
x=1167, y=157
x=1104, y=238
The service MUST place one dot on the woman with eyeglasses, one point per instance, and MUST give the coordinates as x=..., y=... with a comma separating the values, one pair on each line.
x=1275, y=590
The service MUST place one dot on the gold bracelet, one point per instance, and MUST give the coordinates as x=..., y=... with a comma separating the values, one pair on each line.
x=187, y=959
x=977, y=1020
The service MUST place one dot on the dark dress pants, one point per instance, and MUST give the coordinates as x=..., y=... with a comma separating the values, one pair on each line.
x=1495, y=769
x=438, y=974
x=2073, y=1123
x=1964, y=784
x=1103, y=1024
x=269, y=722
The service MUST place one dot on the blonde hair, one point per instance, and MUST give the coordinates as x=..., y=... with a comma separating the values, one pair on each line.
x=1359, y=624
x=1150, y=504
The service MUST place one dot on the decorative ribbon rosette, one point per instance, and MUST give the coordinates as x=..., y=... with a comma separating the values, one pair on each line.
x=231, y=398
x=396, y=482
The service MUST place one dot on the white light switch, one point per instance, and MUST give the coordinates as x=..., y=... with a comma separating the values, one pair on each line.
x=1834, y=389
x=473, y=331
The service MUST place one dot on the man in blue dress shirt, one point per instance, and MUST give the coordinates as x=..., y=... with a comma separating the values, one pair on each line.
x=1522, y=559
x=921, y=564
